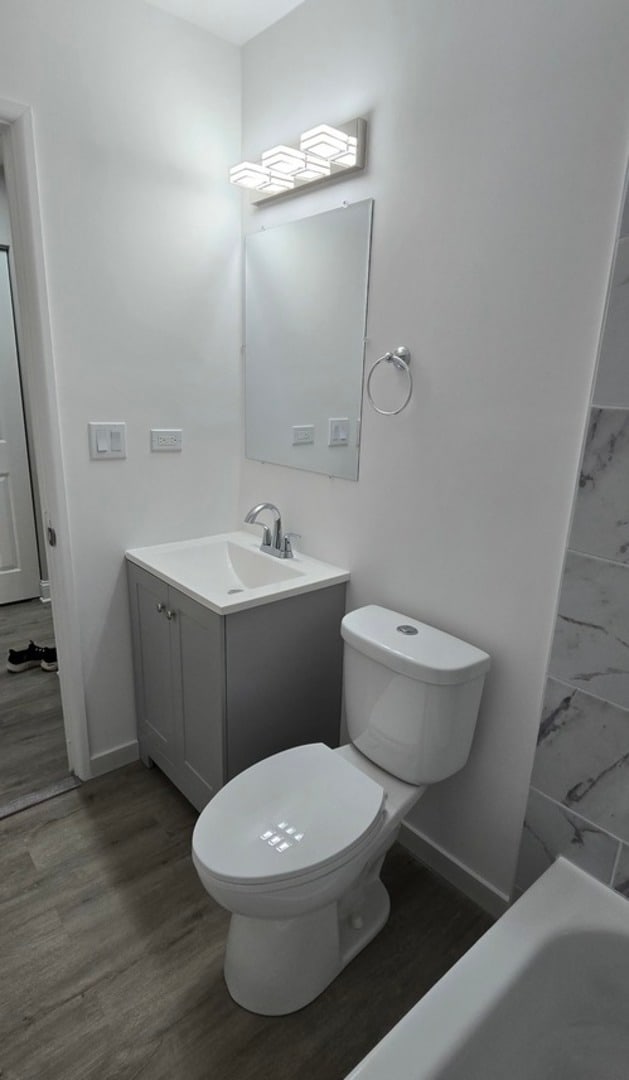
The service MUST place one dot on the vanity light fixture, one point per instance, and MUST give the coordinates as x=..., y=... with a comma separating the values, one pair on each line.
x=313, y=169
x=276, y=184
x=349, y=156
x=324, y=153
x=249, y=174
x=325, y=142
x=284, y=159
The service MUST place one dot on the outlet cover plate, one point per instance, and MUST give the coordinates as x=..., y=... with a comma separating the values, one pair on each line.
x=303, y=434
x=166, y=440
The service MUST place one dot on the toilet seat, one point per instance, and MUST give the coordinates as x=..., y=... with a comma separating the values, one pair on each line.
x=292, y=817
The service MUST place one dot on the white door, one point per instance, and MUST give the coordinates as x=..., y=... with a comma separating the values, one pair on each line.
x=19, y=566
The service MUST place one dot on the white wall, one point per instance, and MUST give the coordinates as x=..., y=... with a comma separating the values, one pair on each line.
x=498, y=140
x=137, y=116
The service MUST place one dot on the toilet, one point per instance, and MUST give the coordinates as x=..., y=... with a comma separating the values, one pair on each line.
x=293, y=846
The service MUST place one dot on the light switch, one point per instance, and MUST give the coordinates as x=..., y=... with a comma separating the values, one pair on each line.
x=107, y=440
x=338, y=431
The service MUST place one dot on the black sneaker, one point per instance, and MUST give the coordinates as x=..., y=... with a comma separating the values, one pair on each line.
x=42, y=656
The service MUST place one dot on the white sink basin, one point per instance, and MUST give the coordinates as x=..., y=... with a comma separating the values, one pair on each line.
x=229, y=573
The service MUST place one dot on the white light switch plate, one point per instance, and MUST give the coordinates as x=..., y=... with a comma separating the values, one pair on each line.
x=338, y=431
x=107, y=439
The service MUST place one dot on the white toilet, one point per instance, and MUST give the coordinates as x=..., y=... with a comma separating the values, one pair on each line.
x=293, y=846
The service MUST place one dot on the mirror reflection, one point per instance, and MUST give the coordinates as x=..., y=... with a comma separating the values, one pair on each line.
x=306, y=286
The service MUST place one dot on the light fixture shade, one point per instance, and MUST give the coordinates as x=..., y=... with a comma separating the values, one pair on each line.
x=284, y=159
x=277, y=184
x=314, y=169
x=249, y=174
x=324, y=141
x=349, y=157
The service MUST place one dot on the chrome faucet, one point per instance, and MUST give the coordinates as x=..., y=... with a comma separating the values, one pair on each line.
x=272, y=543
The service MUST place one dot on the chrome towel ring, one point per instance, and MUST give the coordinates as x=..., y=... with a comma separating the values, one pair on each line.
x=400, y=359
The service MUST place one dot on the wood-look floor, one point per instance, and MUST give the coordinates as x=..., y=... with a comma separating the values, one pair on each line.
x=111, y=952
x=32, y=741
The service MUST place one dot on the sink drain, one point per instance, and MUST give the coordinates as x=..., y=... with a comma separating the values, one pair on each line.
x=230, y=592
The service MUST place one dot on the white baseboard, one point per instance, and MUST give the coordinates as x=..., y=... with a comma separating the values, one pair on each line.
x=109, y=760
x=461, y=877
x=44, y=592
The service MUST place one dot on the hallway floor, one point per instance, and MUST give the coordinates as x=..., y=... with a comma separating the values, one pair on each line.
x=32, y=741
x=112, y=952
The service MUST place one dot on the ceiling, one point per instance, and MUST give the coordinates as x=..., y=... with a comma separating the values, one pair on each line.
x=232, y=20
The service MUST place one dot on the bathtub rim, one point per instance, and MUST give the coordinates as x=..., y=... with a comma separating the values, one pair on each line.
x=564, y=899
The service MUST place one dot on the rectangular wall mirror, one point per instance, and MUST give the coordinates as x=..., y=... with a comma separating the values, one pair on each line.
x=306, y=285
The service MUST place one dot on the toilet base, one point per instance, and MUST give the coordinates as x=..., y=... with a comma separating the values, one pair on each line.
x=277, y=966
x=360, y=922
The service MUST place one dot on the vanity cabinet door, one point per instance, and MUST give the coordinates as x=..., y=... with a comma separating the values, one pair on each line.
x=153, y=679
x=284, y=667
x=198, y=664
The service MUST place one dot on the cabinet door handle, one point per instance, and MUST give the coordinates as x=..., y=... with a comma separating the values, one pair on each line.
x=170, y=614
x=160, y=607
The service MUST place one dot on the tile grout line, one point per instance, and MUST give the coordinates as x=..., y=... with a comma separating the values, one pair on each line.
x=588, y=693
x=596, y=558
x=575, y=813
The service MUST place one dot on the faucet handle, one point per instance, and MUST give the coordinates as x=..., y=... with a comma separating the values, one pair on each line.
x=287, y=545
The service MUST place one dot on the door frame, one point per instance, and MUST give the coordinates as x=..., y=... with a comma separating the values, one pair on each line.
x=32, y=316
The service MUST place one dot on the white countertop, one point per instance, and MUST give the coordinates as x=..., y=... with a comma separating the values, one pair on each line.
x=228, y=572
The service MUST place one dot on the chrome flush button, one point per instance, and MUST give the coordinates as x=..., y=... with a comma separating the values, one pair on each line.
x=406, y=629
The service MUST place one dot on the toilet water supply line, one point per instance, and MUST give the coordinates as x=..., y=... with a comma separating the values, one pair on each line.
x=400, y=359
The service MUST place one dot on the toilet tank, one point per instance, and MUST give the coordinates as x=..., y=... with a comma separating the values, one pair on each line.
x=412, y=694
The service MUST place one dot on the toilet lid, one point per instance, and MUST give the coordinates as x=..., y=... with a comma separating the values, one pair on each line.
x=290, y=814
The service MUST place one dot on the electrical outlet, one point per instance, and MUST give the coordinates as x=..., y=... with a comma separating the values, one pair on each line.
x=303, y=434
x=166, y=439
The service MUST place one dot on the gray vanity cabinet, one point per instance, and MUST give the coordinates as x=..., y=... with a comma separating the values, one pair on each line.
x=216, y=693
x=151, y=639
x=197, y=664
x=179, y=661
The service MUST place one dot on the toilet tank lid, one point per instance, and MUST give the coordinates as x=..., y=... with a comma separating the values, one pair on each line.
x=412, y=648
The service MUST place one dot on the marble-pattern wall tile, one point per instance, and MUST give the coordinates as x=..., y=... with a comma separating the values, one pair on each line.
x=579, y=796
x=612, y=381
x=601, y=518
x=551, y=830
x=582, y=757
x=591, y=644
x=621, y=877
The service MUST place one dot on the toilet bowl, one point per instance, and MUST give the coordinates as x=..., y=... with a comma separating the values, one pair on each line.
x=293, y=846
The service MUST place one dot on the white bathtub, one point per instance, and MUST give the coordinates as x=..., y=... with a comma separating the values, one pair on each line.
x=544, y=995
